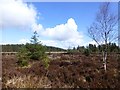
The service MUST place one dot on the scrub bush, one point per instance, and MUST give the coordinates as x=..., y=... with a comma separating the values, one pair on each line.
x=32, y=51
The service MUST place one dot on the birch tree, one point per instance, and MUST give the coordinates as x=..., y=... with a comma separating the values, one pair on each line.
x=104, y=29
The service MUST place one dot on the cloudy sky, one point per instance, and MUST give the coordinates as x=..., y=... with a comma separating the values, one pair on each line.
x=60, y=24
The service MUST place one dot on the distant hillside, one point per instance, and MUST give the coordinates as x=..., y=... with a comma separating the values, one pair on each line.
x=16, y=47
x=51, y=48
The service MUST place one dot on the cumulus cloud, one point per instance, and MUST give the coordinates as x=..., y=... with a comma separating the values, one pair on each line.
x=15, y=13
x=63, y=31
x=23, y=41
x=62, y=35
x=62, y=44
x=37, y=27
x=49, y=42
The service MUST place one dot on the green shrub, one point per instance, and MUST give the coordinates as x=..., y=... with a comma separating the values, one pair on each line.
x=23, y=63
x=33, y=51
x=23, y=54
x=46, y=62
x=86, y=52
x=70, y=51
x=36, y=51
x=23, y=57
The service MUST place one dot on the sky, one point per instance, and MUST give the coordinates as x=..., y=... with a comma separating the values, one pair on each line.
x=59, y=24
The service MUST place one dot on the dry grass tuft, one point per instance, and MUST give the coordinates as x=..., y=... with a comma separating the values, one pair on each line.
x=28, y=82
x=34, y=82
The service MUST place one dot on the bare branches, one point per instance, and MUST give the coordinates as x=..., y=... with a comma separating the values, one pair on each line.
x=103, y=30
x=104, y=27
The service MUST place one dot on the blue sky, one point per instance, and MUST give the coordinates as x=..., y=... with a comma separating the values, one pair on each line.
x=62, y=24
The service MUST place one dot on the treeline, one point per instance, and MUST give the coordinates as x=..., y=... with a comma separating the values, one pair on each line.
x=112, y=47
x=92, y=48
x=16, y=48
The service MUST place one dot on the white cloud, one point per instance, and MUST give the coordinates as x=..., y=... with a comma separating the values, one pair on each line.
x=15, y=13
x=63, y=35
x=23, y=41
x=63, y=31
x=37, y=27
x=62, y=44
x=49, y=42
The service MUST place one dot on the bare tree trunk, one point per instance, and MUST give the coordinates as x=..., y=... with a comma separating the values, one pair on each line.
x=105, y=60
x=105, y=67
x=105, y=56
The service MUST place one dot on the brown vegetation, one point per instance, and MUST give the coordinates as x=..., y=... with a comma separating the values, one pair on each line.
x=65, y=71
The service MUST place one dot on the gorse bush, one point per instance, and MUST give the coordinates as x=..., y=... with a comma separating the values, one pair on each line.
x=33, y=51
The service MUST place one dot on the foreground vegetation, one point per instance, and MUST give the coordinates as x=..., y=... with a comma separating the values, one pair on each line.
x=64, y=71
